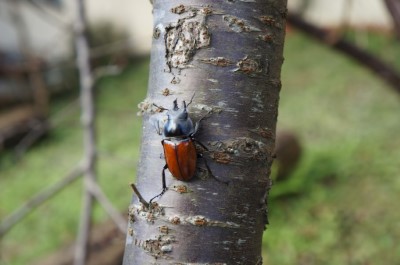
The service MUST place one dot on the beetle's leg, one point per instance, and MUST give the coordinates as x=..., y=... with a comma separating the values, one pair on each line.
x=200, y=143
x=190, y=102
x=196, y=128
x=210, y=172
x=205, y=162
x=158, y=122
x=197, y=124
x=162, y=155
x=164, y=185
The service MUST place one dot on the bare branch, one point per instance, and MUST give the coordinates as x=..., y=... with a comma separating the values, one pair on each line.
x=109, y=48
x=104, y=71
x=89, y=138
x=38, y=129
x=393, y=7
x=107, y=205
x=52, y=19
x=141, y=199
x=376, y=65
x=38, y=199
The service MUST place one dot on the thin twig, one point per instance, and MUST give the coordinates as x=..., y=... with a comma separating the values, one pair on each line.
x=393, y=6
x=108, y=70
x=109, y=48
x=41, y=128
x=141, y=199
x=107, y=205
x=123, y=160
x=376, y=65
x=87, y=119
x=38, y=129
x=45, y=14
x=45, y=194
x=66, y=111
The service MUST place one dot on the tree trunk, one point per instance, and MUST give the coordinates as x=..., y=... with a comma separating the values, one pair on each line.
x=228, y=54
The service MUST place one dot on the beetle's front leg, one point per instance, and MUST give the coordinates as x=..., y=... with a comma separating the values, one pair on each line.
x=164, y=184
x=197, y=124
x=162, y=155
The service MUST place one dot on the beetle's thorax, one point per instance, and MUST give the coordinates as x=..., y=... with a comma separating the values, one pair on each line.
x=178, y=123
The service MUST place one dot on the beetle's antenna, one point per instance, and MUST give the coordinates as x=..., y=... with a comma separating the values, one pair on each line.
x=190, y=102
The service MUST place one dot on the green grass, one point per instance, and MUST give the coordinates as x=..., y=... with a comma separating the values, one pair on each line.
x=348, y=181
x=55, y=222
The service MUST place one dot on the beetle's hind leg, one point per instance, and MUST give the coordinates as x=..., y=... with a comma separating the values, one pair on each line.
x=163, y=183
x=210, y=172
x=201, y=144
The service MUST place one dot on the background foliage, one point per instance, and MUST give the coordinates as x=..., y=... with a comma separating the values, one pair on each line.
x=338, y=207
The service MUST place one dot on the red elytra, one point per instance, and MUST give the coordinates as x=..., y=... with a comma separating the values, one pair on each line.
x=180, y=157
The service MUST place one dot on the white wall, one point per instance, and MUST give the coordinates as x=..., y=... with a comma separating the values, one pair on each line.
x=132, y=15
x=135, y=17
x=45, y=37
x=50, y=41
x=361, y=13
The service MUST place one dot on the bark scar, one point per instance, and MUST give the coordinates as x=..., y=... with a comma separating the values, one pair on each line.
x=183, y=39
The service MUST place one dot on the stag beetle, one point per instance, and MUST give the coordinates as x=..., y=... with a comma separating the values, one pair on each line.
x=178, y=144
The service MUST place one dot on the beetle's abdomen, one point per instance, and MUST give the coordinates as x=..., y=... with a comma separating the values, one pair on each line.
x=180, y=157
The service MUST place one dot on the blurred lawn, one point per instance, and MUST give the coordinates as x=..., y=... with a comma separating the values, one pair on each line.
x=349, y=176
x=56, y=221
x=348, y=179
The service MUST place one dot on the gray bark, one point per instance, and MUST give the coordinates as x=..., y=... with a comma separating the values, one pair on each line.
x=229, y=53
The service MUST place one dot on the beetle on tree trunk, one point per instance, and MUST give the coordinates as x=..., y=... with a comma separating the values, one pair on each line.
x=178, y=144
x=230, y=54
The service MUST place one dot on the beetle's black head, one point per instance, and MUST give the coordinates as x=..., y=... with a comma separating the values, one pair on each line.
x=178, y=124
x=178, y=114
